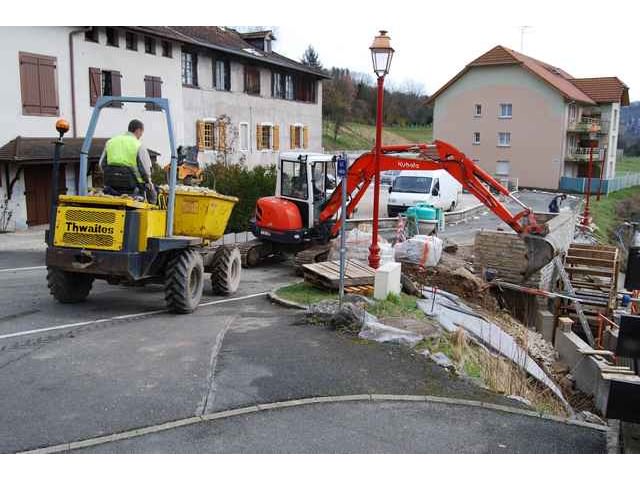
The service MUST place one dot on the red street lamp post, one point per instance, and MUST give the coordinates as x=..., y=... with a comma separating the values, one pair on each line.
x=381, y=55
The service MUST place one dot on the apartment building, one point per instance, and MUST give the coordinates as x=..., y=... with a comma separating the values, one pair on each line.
x=232, y=96
x=528, y=122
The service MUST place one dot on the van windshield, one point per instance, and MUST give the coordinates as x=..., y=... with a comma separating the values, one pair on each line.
x=412, y=184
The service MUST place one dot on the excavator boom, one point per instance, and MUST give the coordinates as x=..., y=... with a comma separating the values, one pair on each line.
x=443, y=156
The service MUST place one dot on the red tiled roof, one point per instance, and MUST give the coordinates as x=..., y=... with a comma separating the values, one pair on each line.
x=227, y=40
x=557, y=78
x=604, y=89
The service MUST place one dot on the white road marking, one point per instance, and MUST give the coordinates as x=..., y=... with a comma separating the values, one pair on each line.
x=120, y=317
x=21, y=269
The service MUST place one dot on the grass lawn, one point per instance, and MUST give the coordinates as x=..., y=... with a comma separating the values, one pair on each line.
x=627, y=165
x=402, y=305
x=305, y=294
x=357, y=136
x=604, y=211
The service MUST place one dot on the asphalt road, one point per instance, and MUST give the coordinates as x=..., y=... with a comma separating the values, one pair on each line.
x=129, y=365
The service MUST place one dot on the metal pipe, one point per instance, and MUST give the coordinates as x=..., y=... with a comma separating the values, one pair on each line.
x=72, y=82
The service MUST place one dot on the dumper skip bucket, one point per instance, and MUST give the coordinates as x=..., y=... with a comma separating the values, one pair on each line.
x=202, y=214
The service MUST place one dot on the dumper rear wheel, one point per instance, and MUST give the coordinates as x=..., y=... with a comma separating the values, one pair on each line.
x=184, y=281
x=226, y=268
x=68, y=287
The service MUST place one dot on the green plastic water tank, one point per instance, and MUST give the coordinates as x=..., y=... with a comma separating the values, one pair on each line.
x=422, y=211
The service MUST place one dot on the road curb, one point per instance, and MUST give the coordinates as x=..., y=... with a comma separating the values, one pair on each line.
x=170, y=425
x=275, y=298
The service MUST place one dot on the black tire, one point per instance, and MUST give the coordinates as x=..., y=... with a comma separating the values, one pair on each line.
x=184, y=281
x=226, y=269
x=68, y=287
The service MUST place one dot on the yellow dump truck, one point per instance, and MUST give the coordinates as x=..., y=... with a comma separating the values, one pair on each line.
x=130, y=242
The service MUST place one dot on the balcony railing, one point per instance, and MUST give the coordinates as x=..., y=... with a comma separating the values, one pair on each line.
x=586, y=124
x=581, y=154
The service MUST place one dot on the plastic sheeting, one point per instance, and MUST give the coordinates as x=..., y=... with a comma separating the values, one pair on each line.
x=452, y=314
x=373, y=330
x=422, y=250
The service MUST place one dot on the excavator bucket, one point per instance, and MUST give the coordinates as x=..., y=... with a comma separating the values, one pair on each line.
x=540, y=251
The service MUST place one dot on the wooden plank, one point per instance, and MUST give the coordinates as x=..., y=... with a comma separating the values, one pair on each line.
x=569, y=288
x=589, y=271
x=591, y=262
x=581, y=252
x=590, y=351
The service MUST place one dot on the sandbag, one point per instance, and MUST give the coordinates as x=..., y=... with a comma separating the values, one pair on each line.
x=424, y=250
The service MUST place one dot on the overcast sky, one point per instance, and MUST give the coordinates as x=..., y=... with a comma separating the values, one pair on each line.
x=431, y=48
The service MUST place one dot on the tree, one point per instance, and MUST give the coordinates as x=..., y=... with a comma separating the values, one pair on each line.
x=311, y=58
x=337, y=99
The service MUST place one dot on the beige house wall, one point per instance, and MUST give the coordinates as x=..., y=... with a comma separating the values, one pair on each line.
x=537, y=126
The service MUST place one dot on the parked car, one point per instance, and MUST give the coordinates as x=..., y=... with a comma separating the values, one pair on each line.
x=387, y=178
x=437, y=188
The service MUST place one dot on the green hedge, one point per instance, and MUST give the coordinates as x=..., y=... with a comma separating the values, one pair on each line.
x=246, y=184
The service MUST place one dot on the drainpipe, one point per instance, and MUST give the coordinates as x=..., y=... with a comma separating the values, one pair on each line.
x=72, y=83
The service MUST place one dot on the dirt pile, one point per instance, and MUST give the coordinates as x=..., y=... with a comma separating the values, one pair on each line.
x=453, y=275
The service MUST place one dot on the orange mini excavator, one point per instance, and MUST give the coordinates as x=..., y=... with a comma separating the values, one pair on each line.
x=301, y=217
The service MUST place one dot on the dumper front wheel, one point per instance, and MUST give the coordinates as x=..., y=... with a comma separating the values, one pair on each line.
x=184, y=281
x=226, y=268
x=68, y=287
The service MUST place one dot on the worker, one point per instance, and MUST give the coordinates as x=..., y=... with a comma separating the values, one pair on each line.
x=554, y=205
x=126, y=164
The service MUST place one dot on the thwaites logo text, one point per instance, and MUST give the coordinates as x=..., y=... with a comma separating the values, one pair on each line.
x=84, y=228
x=409, y=165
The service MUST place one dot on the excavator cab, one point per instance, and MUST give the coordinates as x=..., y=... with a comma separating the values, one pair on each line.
x=304, y=184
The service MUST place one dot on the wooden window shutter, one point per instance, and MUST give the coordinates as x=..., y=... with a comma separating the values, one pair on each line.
x=259, y=137
x=305, y=137
x=48, y=86
x=116, y=87
x=292, y=137
x=95, y=85
x=200, y=135
x=222, y=137
x=276, y=137
x=29, y=84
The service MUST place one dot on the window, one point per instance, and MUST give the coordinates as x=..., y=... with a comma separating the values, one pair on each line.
x=506, y=109
x=152, y=89
x=149, y=45
x=211, y=135
x=294, y=179
x=38, y=84
x=412, y=184
x=131, y=41
x=104, y=83
x=615, y=119
x=222, y=75
x=252, y=80
x=167, y=49
x=113, y=39
x=502, y=168
x=573, y=112
x=91, y=35
x=277, y=85
x=298, y=137
x=267, y=137
x=476, y=138
x=288, y=87
x=189, y=69
x=477, y=110
x=504, y=139
x=243, y=133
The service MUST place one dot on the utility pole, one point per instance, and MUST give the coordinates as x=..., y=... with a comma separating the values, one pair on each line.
x=523, y=30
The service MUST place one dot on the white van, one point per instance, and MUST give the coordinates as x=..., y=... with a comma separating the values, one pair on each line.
x=437, y=188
